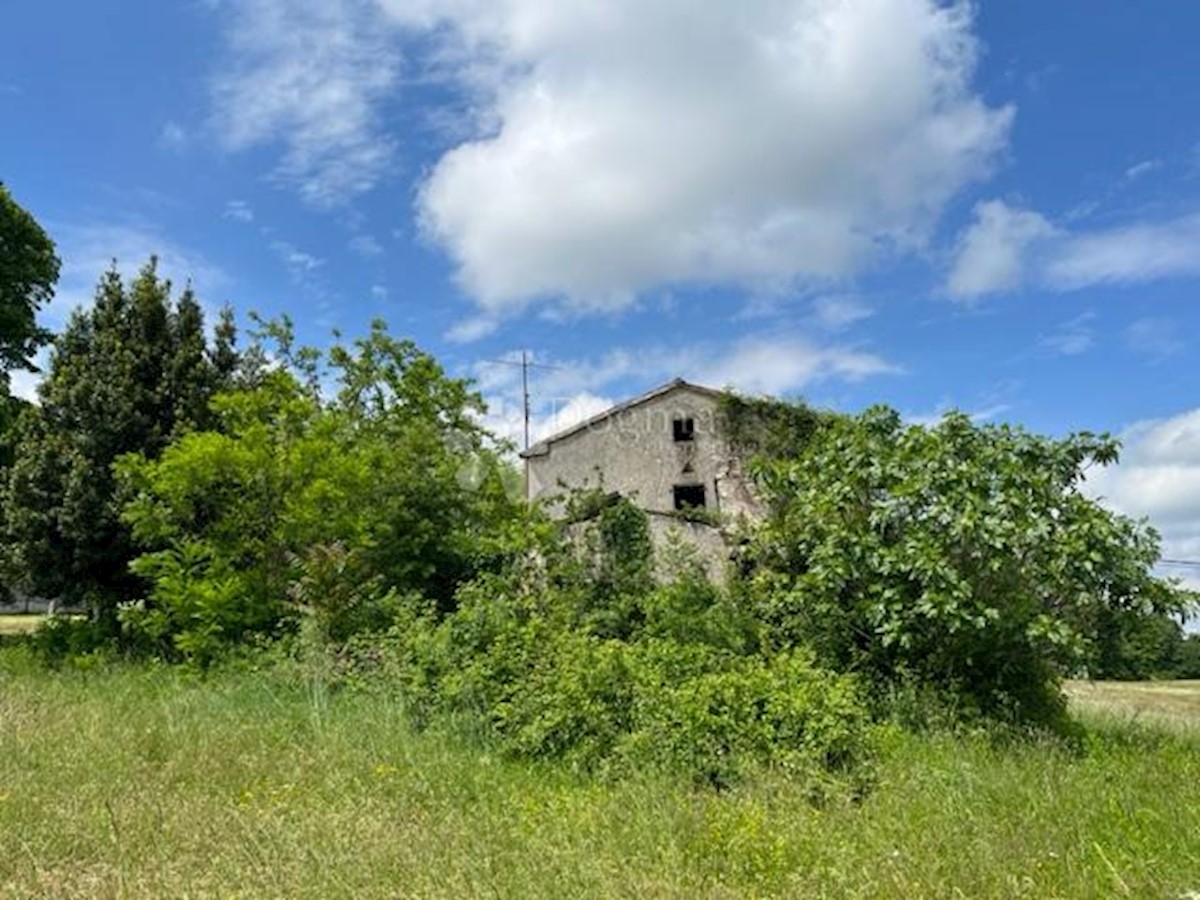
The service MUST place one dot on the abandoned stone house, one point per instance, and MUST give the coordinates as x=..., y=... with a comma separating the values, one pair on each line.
x=665, y=450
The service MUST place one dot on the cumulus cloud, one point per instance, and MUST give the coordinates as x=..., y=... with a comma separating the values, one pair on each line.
x=1007, y=246
x=634, y=144
x=308, y=77
x=1158, y=478
x=990, y=255
x=614, y=147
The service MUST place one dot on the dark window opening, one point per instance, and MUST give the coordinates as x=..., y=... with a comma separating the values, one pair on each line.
x=689, y=496
x=685, y=430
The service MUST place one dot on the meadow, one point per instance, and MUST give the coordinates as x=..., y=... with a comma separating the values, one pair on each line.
x=152, y=781
x=18, y=623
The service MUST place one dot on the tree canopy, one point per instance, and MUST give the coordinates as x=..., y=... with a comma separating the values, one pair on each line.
x=962, y=558
x=28, y=273
x=127, y=375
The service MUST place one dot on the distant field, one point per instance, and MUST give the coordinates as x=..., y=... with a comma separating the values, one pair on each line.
x=18, y=624
x=1173, y=703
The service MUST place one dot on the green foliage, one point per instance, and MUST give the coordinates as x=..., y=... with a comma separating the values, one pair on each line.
x=301, y=504
x=1187, y=663
x=28, y=273
x=572, y=651
x=1136, y=645
x=61, y=638
x=126, y=376
x=963, y=558
x=768, y=428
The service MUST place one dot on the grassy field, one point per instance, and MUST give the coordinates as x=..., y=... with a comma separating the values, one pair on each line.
x=18, y=623
x=1175, y=704
x=156, y=783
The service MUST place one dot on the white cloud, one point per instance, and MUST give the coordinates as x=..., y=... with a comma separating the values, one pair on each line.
x=839, y=311
x=365, y=246
x=25, y=384
x=1145, y=167
x=1158, y=478
x=1073, y=337
x=471, y=329
x=624, y=146
x=632, y=144
x=300, y=265
x=931, y=419
x=238, y=211
x=308, y=76
x=506, y=416
x=173, y=137
x=990, y=255
x=1155, y=337
x=1006, y=247
x=778, y=366
x=756, y=364
x=1127, y=255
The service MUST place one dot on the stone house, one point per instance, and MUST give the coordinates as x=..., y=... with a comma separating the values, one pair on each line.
x=665, y=450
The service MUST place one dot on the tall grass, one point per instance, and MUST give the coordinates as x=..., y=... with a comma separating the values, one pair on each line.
x=152, y=782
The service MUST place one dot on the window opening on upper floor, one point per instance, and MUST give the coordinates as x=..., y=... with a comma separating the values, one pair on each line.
x=685, y=430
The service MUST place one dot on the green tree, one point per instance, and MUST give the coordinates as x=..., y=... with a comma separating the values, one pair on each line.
x=125, y=376
x=28, y=273
x=390, y=482
x=1132, y=644
x=963, y=559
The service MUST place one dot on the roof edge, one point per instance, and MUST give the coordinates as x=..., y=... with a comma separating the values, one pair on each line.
x=542, y=447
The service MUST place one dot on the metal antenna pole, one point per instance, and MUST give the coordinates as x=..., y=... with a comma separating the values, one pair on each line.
x=526, y=363
x=525, y=393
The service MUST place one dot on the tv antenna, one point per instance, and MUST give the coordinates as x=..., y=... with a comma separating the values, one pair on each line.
x=526, y=363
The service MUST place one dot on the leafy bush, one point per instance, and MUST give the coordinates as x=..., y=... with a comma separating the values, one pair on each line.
x=58, y=639
x=959, y=557
x=300, y=504
x=573, y=652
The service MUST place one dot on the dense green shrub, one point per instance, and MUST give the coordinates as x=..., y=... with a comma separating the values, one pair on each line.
x=303, y=504
x=960, y=558
x=573, y=652
x=58, y=639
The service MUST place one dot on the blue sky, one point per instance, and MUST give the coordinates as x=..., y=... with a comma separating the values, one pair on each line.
x=993, y=207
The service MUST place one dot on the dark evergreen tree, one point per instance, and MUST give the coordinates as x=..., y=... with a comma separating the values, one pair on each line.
x=126, y=376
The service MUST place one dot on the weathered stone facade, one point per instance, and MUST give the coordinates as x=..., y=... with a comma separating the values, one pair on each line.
x=665, y=450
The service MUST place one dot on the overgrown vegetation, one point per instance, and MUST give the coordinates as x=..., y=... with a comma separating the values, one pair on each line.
x=573, y=651
x=299, y=503
x=343, y=512
x=150, y=782
x=766, y=428
x=959, y=560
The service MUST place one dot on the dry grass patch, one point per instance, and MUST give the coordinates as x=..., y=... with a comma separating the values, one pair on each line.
x=1172, y=703
x=18, y=623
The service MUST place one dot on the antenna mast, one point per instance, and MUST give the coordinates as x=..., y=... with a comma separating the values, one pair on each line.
x=526, y=406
